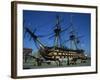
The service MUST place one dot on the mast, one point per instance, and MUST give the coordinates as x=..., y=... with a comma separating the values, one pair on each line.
x=72, y=37
x=57, y=31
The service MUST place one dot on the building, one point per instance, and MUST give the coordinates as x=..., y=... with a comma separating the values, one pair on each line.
x=26, y=53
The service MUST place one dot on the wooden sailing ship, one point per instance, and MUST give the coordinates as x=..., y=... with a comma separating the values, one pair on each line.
x=58, y=51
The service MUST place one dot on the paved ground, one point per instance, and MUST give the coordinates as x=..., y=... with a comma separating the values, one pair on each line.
x=33, y=65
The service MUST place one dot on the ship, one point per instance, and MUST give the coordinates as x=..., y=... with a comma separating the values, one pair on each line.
x=58, y=51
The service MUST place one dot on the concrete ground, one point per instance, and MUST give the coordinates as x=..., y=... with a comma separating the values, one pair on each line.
x=53, y=64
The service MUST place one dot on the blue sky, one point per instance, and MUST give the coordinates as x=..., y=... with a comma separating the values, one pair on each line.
x=44, y=22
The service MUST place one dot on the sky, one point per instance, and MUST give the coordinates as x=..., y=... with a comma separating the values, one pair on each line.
x=44, y=23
